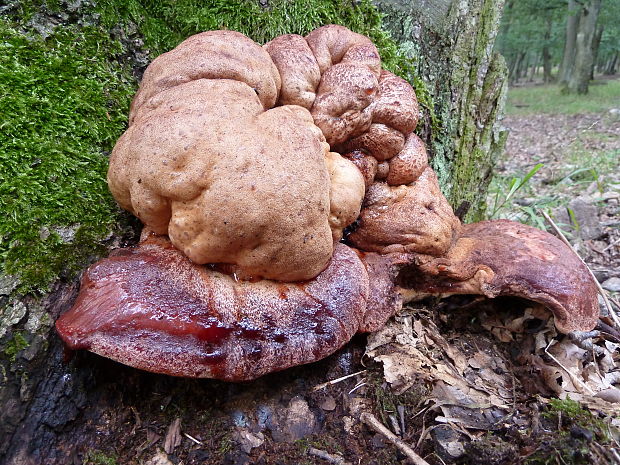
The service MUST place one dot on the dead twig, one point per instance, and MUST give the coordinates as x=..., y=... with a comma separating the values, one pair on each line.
x=331, y=458
x=193, y=439
x=573, y=378
x=617, y=241
x=425, y=433
x=337, y=380
x=372, y=421
x=601, y=291
x=358, y=386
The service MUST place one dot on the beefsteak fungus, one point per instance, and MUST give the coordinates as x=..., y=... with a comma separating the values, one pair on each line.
x=287, y=205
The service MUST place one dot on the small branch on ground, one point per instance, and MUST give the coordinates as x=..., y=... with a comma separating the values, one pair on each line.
x=576, y=381
x=318, y=387
x=372, y=421
x=331, y=458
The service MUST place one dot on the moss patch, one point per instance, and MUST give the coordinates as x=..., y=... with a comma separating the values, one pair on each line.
x=96, y=457
x=569, y=433
x=64, y=105
x=15, y=345
x=164, y=24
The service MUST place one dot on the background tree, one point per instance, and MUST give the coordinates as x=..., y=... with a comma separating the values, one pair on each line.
x=573, y=40
x=585, y=45
x=608, y=45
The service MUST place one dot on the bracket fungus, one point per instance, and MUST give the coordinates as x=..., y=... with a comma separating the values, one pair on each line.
x=287, y=205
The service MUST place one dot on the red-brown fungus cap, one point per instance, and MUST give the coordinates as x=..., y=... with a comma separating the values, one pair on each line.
x=502, y=257
x=149, y=307
x=407, y=218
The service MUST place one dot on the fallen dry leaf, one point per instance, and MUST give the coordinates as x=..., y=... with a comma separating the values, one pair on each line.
x=173, y=436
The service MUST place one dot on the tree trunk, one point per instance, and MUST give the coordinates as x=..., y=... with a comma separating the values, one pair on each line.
x=610, y=69
x=580, y=77
x=515, y=71
x=525, y=66
x=59, y=410
x=534, y=68
x=546, y=54
x=452, y=44
x=568, y=57
x=596, y=42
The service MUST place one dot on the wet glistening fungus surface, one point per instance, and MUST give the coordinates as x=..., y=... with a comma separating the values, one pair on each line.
x=287, y=205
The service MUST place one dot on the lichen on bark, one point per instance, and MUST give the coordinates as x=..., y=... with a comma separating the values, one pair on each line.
x=451, y=45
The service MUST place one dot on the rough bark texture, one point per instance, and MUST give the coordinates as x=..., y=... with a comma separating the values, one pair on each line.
x=451, y=43
x=55, y=411
x=580, y=76
x=568, y=58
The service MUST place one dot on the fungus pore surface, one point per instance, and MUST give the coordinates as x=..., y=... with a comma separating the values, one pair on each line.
x=287, y=205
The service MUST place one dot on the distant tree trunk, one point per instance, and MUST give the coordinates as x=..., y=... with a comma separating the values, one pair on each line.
x=568, y=57
x=596, y=43
x=526, y=66
x=580, y=77
x=515, y=71
x=610, y=69
x=546, y=53
x=534, y=67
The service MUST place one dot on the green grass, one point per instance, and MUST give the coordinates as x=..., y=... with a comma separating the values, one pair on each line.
x=64, y=102
x=603, y=95
x=581, y=169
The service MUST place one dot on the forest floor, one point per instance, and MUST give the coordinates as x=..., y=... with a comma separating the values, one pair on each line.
x=459, y=381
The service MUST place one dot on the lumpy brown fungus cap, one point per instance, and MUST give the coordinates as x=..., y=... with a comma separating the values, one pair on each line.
x=207, y=161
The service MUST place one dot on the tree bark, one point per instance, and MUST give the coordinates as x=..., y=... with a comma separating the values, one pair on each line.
x=452, y=44
x=610, y=69
x=546, y=54
x=596, y=42
x=568, y=57
x=580, y=77
x=56, y=409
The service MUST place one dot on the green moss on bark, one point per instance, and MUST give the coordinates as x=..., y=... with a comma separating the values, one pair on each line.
x=64, y=104
x=15, y=345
